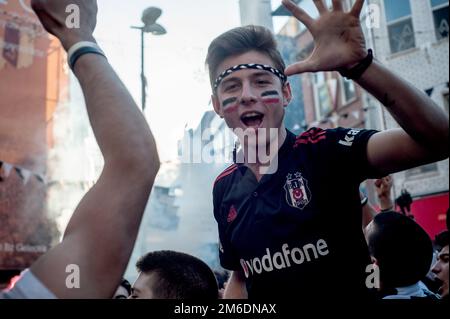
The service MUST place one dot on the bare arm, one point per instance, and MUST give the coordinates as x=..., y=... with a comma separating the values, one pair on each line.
x=101, y=233
x=339, y=43
x=236, y=288
x=424, y=136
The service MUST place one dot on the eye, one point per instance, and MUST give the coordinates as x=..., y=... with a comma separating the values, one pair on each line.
x=231, y=87
x=263, y=82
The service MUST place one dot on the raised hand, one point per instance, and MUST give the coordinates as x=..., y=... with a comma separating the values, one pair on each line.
x=338, y=37
x=53, y=15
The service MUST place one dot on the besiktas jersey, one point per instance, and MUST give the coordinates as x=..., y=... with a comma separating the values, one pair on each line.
x=298, y=232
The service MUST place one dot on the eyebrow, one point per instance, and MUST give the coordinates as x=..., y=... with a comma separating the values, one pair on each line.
x=254, y=75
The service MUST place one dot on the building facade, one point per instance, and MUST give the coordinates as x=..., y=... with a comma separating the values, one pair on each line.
x=33, y=81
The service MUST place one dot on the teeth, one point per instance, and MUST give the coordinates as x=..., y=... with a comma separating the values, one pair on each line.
x=252, y=114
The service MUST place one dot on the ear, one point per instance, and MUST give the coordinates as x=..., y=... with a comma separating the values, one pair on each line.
x=216, y=105
x=287, y=94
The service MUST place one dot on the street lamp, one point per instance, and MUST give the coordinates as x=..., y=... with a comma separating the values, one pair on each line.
x=149, y=17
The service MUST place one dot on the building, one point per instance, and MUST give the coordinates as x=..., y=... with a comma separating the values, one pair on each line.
x=411, y=39
x=33, y=81
x=295, y=112
x=256, y=12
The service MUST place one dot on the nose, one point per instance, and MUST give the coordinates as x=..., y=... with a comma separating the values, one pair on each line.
x=248, y=96
x=435, y=268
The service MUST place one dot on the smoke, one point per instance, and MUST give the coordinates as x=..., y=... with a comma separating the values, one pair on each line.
x=75, y=162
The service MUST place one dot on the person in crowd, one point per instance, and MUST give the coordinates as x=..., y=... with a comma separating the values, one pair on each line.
x=290, y=222
x=123, y=291
x=402, y=251
x=98, y=241
x=383, y=188
x=440, y=268
x=174, y=275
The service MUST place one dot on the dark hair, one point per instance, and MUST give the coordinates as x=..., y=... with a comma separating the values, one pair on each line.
x=441, y=239
x=126, y=284
x=222, y=277
x=241, y=40
x=179, y=276
x=404, y=251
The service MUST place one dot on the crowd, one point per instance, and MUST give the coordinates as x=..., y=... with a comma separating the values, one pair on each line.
x=301, y=231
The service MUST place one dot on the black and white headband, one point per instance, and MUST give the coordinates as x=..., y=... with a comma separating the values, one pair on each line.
x=239, y=67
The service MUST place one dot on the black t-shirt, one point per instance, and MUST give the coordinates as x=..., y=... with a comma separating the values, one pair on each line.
x=298, y=232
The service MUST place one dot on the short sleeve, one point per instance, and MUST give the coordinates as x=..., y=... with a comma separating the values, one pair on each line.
x=350, y=146
x=28, y=287
x=229, y=258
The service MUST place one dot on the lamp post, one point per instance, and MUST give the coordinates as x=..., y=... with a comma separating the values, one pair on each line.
x=149, y=17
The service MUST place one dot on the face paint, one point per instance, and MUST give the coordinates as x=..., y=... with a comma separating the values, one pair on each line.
x=229, y=105
x=271, y=97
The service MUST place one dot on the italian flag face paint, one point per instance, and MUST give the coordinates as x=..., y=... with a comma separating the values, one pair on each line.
x=270, y=97
x=230, y=105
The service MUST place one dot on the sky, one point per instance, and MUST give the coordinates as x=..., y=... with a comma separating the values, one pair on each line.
x=178, y=85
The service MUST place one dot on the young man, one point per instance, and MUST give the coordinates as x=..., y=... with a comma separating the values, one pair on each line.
x=174, y=275
x=92, y=257
x=440, y=268
x=297, y=233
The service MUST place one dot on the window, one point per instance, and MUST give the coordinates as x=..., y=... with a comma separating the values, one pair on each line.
x=425, y=169
x=400, y=26
x=322, y=95
x=348, y=91
x=440, y=16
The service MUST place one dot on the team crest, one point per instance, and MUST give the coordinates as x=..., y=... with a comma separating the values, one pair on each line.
x=298, y=194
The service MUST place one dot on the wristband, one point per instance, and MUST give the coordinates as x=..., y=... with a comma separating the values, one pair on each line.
x=81, y=48
x=357, y=71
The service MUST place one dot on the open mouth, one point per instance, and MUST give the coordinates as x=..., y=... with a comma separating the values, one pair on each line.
x=252, y=119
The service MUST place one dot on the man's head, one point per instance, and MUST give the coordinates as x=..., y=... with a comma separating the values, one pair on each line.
x=401, y=248
x=246, y=97
x=174, y=275
x=440, y=268
x=123, y=291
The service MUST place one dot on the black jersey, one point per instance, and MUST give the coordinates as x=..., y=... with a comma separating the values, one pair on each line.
x=298, y=232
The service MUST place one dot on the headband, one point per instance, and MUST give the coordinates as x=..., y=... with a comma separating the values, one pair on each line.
x=254, y=66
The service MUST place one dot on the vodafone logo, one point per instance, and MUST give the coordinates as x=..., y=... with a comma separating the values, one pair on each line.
x=285, y=258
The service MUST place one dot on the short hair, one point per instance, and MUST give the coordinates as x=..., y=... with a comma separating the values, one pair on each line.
x=126, y=285
x=241, y=40
x=179, y=276
x=404, y=250
x=441, y=239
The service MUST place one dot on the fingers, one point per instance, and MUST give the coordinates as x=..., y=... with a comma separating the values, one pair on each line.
x=320, y=6
x=299, y=13
x=300, y=67
x=337, y=5
x=357, y=8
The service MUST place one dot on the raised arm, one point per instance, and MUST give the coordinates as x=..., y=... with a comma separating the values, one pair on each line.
x=340, y=45
x=101, y=233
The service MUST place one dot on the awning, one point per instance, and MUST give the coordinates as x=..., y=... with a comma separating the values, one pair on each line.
x=430, y=213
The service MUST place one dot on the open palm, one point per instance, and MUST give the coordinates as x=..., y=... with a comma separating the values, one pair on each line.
x=338, y=37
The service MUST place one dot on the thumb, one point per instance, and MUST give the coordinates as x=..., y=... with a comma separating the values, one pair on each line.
x=300, y=67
